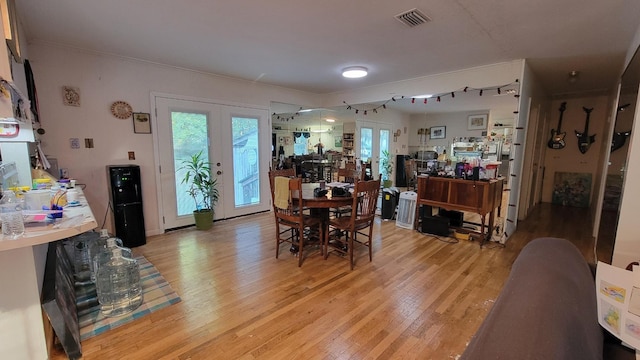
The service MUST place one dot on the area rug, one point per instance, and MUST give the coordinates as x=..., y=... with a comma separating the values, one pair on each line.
x=157, y=294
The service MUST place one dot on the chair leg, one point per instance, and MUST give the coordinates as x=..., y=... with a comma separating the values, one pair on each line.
x=353, y=235
x=321, y=240
x=369, y=242
x=300, y=245
x=326, y=245
x=277, y=239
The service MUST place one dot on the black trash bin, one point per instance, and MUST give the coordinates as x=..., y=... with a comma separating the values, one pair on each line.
x=389, y=203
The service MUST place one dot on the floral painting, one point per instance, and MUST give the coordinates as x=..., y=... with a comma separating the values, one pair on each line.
x=571, y=189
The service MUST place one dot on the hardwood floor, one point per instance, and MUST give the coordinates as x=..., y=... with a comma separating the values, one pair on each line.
x=420, y=298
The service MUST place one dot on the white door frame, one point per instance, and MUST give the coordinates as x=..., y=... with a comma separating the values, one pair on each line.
x=264, y=154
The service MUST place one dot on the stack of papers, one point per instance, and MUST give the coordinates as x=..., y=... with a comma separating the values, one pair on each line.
x=618, y=297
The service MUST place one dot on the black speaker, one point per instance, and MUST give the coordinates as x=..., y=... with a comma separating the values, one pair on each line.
x=401, y=173
x=455, y=217
x=435, y=225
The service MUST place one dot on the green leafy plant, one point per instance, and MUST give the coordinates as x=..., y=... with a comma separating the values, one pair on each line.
x=202, y=185
x=386, y=164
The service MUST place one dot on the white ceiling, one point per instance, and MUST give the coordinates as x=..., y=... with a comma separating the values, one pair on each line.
x=304, y=44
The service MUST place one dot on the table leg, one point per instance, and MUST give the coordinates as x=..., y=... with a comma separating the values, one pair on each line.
x=487, y=237
x=323, y=214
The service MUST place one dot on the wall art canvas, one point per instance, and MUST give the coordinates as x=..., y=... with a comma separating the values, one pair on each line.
x=571, y=189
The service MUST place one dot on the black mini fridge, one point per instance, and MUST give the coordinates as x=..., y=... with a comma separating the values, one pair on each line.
x=126, y=198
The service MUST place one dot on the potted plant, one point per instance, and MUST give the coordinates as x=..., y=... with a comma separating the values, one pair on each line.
x=386, y=165
x=202, y=188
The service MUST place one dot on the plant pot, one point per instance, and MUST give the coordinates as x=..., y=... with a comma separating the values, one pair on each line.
x=204, y=219
x=387, y=183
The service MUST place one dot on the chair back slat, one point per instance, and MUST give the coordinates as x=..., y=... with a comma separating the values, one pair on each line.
x=349, y=175
x=366, y=197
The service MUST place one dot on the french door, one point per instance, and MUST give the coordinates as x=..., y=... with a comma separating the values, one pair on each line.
x=374, y=139
x=231, y=138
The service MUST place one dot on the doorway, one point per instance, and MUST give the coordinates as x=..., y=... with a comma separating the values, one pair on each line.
x=374, y=140
x=231, y=139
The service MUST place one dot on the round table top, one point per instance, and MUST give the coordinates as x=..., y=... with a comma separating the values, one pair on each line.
x=326, y=201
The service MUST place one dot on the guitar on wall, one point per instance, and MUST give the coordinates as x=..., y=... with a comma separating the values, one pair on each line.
x=584, y=139
x=557, y=136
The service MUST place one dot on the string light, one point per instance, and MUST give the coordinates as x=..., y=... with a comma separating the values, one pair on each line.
x=439, y=97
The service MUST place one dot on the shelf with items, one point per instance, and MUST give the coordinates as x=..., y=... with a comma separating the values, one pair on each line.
x=348, y=148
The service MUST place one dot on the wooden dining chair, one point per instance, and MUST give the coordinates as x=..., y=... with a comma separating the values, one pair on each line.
x=363, y=209
x=292, y=225
x=290, y=173
x=350, y=176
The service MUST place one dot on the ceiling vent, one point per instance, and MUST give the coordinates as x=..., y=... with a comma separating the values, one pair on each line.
x=412, y=18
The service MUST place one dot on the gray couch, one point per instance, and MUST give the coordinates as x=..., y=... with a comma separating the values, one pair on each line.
x=546, y=310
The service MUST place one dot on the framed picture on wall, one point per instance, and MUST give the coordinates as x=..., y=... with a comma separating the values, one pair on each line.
x=477, y=122
x=142, y=123
x=438, y=132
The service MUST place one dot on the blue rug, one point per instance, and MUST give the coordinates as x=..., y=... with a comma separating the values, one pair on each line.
x=157, y=294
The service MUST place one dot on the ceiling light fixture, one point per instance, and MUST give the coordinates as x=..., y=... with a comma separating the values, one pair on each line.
x=330, y=120
x=573, y=76
x=354, y=72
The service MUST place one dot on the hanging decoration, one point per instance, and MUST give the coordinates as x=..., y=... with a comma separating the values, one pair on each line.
x=286, y=117
x=438, y=97
x=283, y=117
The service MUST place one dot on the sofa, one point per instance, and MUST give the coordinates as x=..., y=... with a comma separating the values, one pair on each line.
x=546, y=310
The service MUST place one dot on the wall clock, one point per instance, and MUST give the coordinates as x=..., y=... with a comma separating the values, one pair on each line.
x=121, y=110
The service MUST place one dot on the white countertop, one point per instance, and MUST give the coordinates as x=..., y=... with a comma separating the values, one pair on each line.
x=74, y=221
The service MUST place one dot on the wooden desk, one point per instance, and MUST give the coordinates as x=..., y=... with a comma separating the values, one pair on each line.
x=481, y=197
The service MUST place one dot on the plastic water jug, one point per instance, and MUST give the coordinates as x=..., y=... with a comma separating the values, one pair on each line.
x=11, y=215
x=118, y=284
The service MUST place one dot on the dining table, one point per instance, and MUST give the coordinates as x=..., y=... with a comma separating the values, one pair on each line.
x=320, y=205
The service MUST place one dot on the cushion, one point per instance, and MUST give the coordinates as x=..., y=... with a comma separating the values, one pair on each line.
x=546, y=309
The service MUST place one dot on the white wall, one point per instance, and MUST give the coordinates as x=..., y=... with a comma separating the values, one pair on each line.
x=456, y=127
x=105, y=79
x=570, y=159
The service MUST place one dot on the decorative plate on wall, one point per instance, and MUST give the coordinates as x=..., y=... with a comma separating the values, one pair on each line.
x=121, y=110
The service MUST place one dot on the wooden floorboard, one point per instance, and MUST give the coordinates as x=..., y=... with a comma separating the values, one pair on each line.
x=420, y=298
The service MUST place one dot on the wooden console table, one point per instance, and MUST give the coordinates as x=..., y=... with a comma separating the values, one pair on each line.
x=481, y=197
